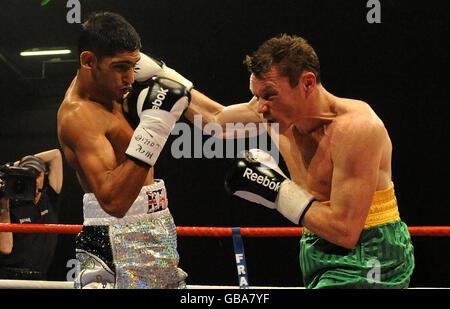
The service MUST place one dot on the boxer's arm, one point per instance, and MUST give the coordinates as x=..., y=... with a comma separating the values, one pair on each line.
x=115, y=186
x=214, y=112
x=211, y=111
x=356, y=158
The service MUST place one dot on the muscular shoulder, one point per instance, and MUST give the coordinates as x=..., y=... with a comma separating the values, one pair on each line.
x=358, y=118
x=77, y=117
x=358, y=127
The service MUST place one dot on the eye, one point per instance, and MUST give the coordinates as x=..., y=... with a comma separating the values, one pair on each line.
x=122, y=67
x=268, y=96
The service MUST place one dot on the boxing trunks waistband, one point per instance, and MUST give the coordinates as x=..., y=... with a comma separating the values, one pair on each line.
x=151, y=202
x=383, y=209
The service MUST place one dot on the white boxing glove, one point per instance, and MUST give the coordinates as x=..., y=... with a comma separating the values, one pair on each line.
x=147, y=67
x=158, y=103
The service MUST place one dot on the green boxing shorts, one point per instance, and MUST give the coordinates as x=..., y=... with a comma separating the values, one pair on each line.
x=383, y=258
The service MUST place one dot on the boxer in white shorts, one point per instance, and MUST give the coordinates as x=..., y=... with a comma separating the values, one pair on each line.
x=125, y=242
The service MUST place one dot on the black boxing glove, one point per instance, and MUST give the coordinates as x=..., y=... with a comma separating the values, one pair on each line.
x=158, y=103
x=257, y=178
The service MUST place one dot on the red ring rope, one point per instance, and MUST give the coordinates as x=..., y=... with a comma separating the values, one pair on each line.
x=208, y=231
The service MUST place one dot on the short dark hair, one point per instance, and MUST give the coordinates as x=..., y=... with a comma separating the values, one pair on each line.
x=291, y=54
x=107, y=33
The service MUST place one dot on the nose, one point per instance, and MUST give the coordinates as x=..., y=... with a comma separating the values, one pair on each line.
x=262, y=106
x=129, y=77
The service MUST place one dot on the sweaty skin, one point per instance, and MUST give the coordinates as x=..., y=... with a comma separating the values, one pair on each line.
x=94, y=133
x=335, y=148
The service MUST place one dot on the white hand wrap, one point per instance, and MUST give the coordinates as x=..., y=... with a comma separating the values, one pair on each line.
x=146, y=144
x=292, y=201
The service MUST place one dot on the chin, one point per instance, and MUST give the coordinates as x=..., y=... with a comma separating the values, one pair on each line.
x=121, y=99
x=277, y=126
x=118, y=97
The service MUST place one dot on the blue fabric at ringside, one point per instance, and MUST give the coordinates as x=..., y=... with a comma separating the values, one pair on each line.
x=240, y=258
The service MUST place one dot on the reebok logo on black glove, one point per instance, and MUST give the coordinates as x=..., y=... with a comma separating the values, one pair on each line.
x=158, y=103
x=160, y=96
x=257, y=178
x=265, y=181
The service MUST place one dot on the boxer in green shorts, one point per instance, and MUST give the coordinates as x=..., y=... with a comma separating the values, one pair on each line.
x=336, y=149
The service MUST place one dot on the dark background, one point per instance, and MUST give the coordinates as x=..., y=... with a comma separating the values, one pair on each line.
x=400, y=67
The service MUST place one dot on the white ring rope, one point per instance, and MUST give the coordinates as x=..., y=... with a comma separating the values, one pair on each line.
x=36, y=284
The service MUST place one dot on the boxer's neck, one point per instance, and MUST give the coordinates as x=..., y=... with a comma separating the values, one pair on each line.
x=321, y=110
x=87, y=88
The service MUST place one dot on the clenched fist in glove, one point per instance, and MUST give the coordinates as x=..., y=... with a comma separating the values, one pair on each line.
x=257, y=178
x=156, y=104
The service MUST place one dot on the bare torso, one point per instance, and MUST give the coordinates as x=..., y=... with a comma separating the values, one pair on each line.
x=93, y=116
x=309, y=158
x=344, y=157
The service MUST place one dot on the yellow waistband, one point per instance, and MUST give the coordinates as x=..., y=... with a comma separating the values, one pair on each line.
x=383, y=209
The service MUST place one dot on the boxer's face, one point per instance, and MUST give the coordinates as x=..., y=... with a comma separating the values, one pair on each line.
x=114, y=75
x=278, y=101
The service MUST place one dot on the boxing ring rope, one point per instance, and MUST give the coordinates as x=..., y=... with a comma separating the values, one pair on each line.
x=190, y=231
x=208, y=231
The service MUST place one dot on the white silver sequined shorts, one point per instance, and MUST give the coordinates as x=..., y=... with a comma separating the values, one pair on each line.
x=136, y=251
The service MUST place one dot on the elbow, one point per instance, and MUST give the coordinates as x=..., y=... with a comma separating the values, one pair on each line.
x=349, y=243
x=347, y=238
x=113, y=204
x=5, y=249
x=117, y=214
x=116, y=200
x=114, y=209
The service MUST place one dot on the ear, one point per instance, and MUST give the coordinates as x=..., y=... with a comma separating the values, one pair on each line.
x=88, y=60
x=308, y=82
